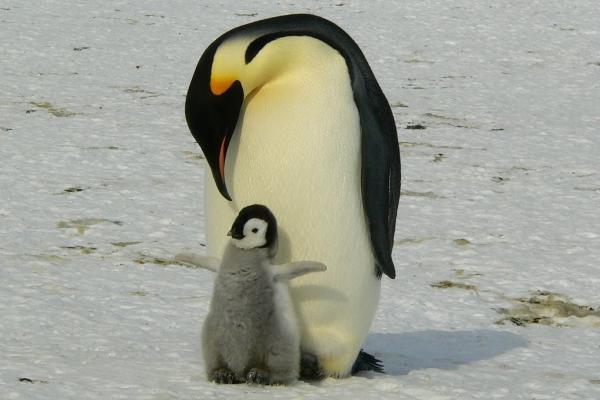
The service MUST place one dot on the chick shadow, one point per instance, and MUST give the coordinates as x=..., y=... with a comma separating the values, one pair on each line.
x=402, y=353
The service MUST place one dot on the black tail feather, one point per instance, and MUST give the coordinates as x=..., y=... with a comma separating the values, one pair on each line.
x=366, y=362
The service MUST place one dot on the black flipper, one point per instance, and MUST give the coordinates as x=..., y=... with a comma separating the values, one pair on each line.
x=366, y=362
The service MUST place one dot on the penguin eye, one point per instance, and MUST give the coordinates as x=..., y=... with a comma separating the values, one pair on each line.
x=254, y=230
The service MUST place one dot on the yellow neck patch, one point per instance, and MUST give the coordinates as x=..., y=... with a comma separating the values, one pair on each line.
x=228, y=64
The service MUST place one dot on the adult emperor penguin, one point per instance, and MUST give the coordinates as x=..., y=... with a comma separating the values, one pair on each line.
x=289, y=114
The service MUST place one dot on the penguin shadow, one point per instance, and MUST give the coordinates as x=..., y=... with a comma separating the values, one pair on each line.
x=402, y=353
x=306, y=292
x=284, y=248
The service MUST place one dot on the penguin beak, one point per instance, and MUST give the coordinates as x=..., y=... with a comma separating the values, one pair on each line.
x=212, y=118
x=235, y=234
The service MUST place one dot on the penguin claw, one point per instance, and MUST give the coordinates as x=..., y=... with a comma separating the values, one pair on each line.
x=224, y=376
x=258, y=377
x=310, y=369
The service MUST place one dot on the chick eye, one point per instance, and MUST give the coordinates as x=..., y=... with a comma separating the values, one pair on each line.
x=254, y=230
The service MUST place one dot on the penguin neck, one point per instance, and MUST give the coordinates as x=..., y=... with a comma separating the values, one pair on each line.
x=292, y=59
x=235, y=258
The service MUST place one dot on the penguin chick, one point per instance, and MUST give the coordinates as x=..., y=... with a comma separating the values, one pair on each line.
x=251, y=333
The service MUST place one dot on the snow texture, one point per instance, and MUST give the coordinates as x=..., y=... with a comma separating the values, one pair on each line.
x=101, y=185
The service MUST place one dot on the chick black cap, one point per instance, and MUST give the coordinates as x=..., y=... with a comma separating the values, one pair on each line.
x=255, y=211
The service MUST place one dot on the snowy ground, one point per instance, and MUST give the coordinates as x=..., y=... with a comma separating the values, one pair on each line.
x=100, y=185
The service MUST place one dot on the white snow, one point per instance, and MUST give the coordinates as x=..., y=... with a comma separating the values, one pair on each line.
x=101, y=184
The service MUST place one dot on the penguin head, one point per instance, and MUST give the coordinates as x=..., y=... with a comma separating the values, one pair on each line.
x=238, y=64
x=224, y=77
x=254, y=227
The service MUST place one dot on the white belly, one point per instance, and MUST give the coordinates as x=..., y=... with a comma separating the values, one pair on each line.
x=297, y=151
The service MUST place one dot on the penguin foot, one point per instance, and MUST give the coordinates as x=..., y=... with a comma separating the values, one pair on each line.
x=224, y=376
x=366, y=362
x=310, y=369
x=258, y=376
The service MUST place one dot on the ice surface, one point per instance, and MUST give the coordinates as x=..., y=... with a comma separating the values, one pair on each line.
x=101, y=185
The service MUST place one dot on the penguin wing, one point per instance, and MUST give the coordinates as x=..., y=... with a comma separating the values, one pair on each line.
x=196, y=260
x=380, y=169
x=286, y=272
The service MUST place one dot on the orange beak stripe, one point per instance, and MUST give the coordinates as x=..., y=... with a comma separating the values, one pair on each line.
x=219, y=85
x=222, y=151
